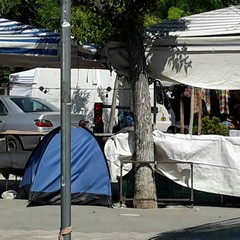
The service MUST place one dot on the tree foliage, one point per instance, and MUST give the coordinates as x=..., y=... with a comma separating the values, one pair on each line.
x=88, y=27
x=49, y=14
x=4, y=74
x=116, y=17
x=212, y=126
x=20, y=10
x=174, y=9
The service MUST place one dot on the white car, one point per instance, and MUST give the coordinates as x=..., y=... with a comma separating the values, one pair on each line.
x=31, y=115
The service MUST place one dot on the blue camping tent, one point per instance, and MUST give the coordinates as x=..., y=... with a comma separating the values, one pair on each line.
x=90, y=178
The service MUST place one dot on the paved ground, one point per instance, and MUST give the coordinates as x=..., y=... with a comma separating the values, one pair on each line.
x=100, y=223
x=21, y=222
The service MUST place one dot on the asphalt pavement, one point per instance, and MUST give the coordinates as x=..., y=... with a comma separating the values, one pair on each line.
x=102, y=223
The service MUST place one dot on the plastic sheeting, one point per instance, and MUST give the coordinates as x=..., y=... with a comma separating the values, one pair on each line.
x=119, y=147
x=216, y=164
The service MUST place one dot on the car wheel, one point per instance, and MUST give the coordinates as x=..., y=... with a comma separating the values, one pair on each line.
x=13, y=144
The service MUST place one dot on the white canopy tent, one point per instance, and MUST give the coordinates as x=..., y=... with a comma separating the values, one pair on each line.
x=21, y=83
x=201, y=50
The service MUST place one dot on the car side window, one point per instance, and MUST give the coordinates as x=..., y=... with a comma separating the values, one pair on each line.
x=39, y=107
x=3, y=109
x=30, y=105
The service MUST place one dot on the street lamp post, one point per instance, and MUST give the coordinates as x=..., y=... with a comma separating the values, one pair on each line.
x=66, y=229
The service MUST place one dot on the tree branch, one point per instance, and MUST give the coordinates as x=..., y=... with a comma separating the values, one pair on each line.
x=100, y=6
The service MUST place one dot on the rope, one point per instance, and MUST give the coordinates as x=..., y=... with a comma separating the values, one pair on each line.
x=64, y=231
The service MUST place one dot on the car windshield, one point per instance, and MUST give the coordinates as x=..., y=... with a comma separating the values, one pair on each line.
x=34, y=105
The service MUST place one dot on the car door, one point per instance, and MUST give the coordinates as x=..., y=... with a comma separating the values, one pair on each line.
x=3, y=115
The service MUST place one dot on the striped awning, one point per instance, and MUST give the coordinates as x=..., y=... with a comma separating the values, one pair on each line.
x=24, y=45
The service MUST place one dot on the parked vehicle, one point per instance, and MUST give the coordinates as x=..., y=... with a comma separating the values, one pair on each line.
x=28, y=115
x=163, y=117
x=88, y=88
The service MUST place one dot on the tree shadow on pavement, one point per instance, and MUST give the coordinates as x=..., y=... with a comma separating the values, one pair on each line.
x=223, y=230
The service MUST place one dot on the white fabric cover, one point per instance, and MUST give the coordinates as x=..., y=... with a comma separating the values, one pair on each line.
x=117, y=147
x=216, y=163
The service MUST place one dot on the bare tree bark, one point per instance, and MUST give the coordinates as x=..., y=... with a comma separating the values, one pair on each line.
x=145, y=188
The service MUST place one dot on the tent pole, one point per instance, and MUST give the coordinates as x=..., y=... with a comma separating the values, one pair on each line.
x=155, y=105
x=65, y=229
x=200, y=111
x=113, y=107
x=191, y=112
x=182, y=127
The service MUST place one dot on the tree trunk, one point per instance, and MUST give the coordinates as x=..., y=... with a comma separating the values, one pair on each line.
x=145, y=187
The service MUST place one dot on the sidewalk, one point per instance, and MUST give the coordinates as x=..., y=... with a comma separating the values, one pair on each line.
x=101, y=223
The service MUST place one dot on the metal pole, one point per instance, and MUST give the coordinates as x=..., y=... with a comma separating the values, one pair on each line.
x=182, y=124
x=113, y=107
x=192, y=194
x=121, y=184
x=155, y=105
x=190, y=131
x=200, y=112
x=65, y=230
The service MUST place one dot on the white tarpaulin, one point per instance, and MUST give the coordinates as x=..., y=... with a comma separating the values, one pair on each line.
x=119, y=147
x=216, y=164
